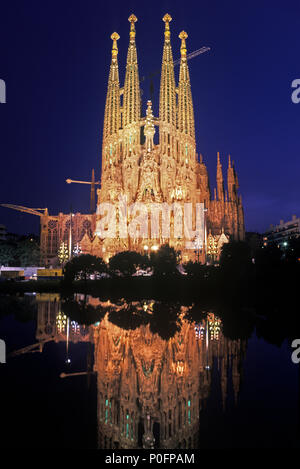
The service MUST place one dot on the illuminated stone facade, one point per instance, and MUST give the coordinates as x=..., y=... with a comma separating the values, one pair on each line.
x=169, y=172
x=55, y=229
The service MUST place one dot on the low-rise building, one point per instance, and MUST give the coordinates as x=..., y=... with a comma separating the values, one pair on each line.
x=281, y=234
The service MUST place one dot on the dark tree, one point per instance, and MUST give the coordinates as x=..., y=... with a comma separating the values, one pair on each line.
x=197, y=270
x=292, y=251
x=28, y=252
x=83, y=266
x=7, y=254
x=268, y=259
x=165, y=260
x=82, y=312
x=127, y=263
x=235, y=258
x=165, y=320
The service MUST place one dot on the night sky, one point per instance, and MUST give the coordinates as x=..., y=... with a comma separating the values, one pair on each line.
x=55, y=57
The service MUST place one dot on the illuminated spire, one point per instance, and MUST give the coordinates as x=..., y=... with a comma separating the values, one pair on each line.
x=112, y=106
x=231, y=182
x=132, y=99
x=167, y=98
x=220, y=181
x=186, y=123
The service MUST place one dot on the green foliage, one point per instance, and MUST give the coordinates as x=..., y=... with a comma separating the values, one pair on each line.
x=165, y=260
x=28, y=252
x=81, y=267
x=7, y=254
x=24, y=252
x=127, y=263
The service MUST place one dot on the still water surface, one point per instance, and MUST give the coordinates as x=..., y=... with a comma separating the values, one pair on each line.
x=86, y=373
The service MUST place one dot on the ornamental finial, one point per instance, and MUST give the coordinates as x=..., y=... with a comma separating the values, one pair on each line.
x=183, y=36
x=132, y=19
x=115, y=37
x=167, y=18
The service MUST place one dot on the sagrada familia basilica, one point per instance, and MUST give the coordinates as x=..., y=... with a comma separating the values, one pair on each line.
x=143, y=172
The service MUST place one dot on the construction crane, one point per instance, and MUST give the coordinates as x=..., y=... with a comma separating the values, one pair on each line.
x=38, y=347
x=190, y=56
x=32, y=211
x=193, y=54
x=92, y=183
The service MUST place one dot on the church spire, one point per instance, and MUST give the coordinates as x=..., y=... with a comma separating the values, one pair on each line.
x=112, y=106
x=110, y=145
x=167, y=98
x=220, y=181
x=186, y=123
x=167, y=116
x=132, y=99
x=231, y=182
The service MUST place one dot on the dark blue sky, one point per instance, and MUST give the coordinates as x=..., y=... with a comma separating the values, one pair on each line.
x=55, y=56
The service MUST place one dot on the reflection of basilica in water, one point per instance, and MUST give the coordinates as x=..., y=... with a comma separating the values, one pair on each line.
x=150, y=391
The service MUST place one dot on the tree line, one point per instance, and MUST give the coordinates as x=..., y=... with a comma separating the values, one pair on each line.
x=24, y=251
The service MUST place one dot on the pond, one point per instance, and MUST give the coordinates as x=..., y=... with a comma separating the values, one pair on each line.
x=83, y=372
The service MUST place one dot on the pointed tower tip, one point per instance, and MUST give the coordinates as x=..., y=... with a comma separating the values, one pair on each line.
x=218, y=157
x=229, y=161
x=132, y=19
x=183, y=36
x=114, y=37
x=167, y=18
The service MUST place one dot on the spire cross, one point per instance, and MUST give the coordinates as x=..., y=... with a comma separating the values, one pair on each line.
x=115, y=37
x=132, y=19
x=183, y=36
x=167, y=18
